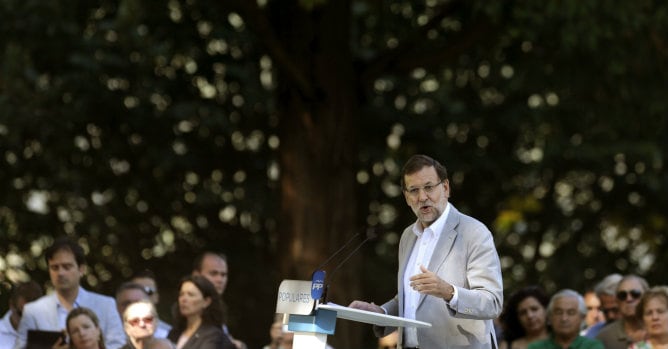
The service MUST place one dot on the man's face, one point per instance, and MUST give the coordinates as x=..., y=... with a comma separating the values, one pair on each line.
x=214, y=269
x=609, y=307
x=127, y=297
x=64, y=272
x=425, y=195
x=631, y=289
x=593, y=304
x=566, y=318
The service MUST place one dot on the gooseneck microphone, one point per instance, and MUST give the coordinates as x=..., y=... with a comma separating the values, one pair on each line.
x=318, y=286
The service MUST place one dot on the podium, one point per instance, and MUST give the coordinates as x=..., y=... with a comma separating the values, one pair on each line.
x=312, y=322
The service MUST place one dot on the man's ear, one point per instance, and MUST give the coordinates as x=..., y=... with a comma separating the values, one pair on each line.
x=82, y=270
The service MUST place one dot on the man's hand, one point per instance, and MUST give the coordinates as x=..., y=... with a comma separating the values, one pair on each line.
x=429, y=283
x=367, y=306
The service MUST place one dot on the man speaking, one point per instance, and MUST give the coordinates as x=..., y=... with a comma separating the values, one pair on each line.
x=449, y=271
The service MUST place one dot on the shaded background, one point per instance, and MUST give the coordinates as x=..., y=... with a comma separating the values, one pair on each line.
x=275, y=130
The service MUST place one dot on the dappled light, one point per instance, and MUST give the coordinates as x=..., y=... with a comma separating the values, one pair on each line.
x=151, y=131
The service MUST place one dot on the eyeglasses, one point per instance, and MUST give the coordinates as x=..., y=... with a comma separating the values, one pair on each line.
x=428, y=189
x=149, y=290
x=635, y=294
x=148, y=320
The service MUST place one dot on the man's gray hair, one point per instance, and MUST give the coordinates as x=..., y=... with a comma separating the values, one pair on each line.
x=608, y=286
x=568, y=293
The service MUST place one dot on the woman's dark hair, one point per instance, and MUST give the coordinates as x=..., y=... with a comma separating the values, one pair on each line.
x=510, y=320
x=91, y=315
x=213, y=314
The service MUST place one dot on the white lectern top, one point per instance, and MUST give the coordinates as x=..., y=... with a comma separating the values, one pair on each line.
x=371, y=317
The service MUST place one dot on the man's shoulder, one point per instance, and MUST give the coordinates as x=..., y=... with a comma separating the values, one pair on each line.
x=582, y=342
x=40, y=303
x=5, y=325
x=547, y=343
x=610, y=330
x=94, y=297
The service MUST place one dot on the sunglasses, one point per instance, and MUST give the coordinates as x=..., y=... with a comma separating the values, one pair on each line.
x=149, y=290
x=623, y=295
x=148, y=320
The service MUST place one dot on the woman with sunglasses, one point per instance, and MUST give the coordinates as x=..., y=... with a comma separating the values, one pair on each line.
x=139, y=322
x=628, y=328
x=199, y=322
x=653, y=310
x=83, y=329
x=524, y=318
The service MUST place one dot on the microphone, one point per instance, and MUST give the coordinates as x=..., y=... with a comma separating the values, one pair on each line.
x=318, y=287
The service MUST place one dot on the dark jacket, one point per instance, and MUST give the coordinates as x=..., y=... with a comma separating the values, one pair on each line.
x=206, y=337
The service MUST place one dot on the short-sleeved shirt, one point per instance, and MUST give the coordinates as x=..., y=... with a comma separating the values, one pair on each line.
x=579, y=343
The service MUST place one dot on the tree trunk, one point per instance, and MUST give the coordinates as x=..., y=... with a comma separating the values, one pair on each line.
x=318, y=149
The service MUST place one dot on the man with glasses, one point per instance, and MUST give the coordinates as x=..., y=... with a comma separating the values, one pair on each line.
x=449, y=270
x=628, y=328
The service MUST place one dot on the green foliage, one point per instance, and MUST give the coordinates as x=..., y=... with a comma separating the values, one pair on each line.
x=150, y=130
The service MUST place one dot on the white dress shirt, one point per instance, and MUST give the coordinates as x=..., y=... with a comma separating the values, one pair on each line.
x=420, y=255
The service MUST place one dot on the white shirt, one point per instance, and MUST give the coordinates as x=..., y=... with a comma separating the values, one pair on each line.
x=420, y=255
x=8, y=334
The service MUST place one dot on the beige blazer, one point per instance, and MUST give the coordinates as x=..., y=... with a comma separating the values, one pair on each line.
x=466, y=257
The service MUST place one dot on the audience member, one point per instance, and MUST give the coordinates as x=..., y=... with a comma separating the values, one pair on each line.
x=566, y=312
x=606, y=291
x=287, y=340
x=275, y=333
x=83, y=329
x=524, y=318
x=594, y=313
x=629, y=328
x=66, y=262
x=21, y=294
x=213, y=266
x=139, y=321
x=127, y=293
x=449, y=270
x=199, y=323
x=653, y=310
x=147, y=279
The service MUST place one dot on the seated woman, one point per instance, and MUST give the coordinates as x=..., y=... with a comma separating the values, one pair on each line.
x=139, y=322
x=199, y=322
x=83, y=328
x=653, y=310
x=524, y=318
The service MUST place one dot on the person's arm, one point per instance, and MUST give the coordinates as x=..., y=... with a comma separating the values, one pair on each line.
x=483, y=296
x=114, y=335
x=28, y=321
